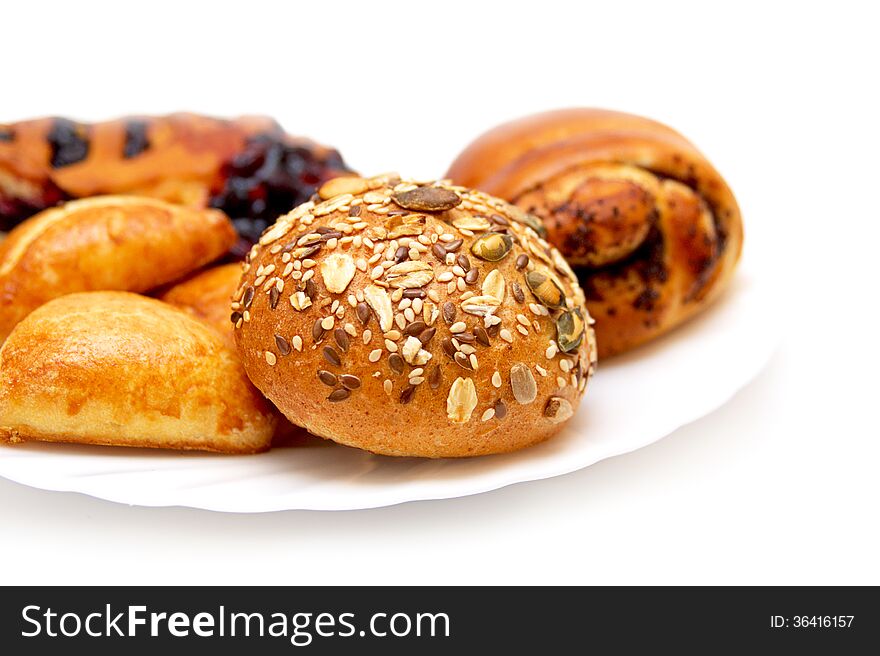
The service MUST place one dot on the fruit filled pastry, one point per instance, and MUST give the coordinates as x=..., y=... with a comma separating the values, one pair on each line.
x=248, y=167
x=115, y=368
x=652, y=228
x=414, y=319
x=104, y=243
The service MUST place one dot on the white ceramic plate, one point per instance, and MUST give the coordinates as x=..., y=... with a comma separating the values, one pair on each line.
x=631, y=402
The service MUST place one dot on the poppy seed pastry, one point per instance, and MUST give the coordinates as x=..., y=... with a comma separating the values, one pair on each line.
x=119, y=369
x=414, y=319
x=650, y=226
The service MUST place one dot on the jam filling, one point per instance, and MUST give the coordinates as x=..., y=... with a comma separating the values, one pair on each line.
x=268, y=179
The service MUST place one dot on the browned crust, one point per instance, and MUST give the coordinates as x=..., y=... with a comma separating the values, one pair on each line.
x=370, y=418
x=183, y=161
x=104, y=243
x=113, y=368
x=206, y=294
x=521, y=159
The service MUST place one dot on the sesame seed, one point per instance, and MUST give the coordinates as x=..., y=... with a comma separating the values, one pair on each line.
x=523, y=331
x=560, y=381
x=506, y=336
x=327, y=323
x=388, y=386
x=488, y=414
x=391, y=346
x=446, y=276
x=496, y=379
x=416, y=380
x=540, y=370
x=270, y=358
x=524, y=320
x=473, y=359
x=458, y=327
x=297, y=342
x=393, y=335
x=565, y=365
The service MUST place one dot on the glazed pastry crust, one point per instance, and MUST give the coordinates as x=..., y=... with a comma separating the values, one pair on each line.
x=206, y=295
x=113, y=368
x=104, y=243
x=652, y=226
x=325, y=331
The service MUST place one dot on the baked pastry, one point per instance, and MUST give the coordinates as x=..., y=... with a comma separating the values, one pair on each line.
x=248, y=167
x=414, y=319
x=116, y=368
x=206, y=294
x=653, y=229
x=104, y=243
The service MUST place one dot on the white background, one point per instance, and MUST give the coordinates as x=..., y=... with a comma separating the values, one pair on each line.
x=778, y=486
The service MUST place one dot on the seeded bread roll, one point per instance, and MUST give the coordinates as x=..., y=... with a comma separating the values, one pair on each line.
x=414, y=319
x=119, y=369
x=104, y=243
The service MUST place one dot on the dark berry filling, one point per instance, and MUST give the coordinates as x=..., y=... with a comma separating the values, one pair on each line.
x=15, y=210
x=136, y=140
x=268, y=179
x=69, y=142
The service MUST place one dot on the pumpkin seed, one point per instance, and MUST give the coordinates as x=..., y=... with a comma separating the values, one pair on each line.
x=492, y=246
x=427, y=199
x=569, y=330
x=545, y=289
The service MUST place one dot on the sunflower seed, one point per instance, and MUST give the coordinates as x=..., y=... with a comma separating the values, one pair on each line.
x=523, y=384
